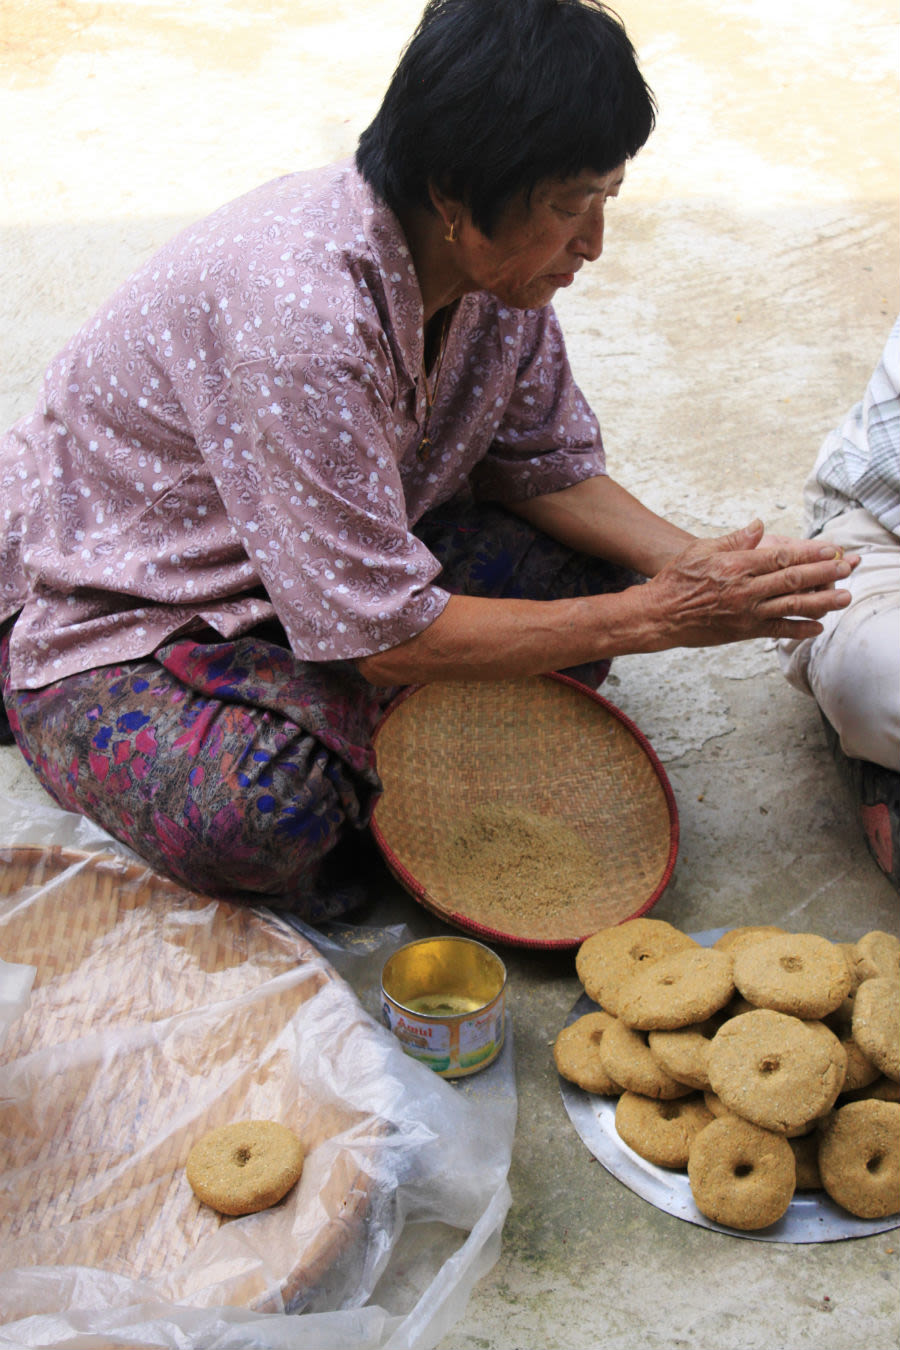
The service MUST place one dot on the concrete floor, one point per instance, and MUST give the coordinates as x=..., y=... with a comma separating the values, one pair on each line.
x=749, y=281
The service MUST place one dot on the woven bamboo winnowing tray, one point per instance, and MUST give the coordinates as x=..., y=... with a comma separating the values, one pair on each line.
x=546, y=744
x=156, y=1015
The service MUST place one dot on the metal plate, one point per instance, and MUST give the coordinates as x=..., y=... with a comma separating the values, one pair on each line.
x=810, y=1217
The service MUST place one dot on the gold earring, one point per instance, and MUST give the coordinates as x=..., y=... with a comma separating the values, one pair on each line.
x=450, y=236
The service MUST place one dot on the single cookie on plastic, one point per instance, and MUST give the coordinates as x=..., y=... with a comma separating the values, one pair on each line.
x=245, y=1167
x=661, y=1131
x=576, y=1053
x=859, y=1158
x=795, y=973
x=741, y=1175
x=776, y=1070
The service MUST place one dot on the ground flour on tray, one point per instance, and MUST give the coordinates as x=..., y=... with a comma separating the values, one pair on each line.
x=514, y=864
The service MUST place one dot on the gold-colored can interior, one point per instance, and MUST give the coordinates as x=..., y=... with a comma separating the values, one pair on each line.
x=444, y=977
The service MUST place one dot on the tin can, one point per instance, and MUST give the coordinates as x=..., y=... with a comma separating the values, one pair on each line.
x=444, y=998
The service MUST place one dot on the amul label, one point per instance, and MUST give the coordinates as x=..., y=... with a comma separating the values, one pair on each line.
x=427, y=1041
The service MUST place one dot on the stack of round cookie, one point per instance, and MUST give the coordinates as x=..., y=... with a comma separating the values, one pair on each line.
x=764, y=1064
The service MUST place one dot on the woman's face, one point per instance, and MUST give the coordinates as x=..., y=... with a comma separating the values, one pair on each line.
x=537, y=247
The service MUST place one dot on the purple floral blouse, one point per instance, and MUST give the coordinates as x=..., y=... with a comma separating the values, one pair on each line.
x=236, y=435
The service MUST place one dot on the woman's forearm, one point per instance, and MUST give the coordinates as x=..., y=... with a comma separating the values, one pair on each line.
x=478, y=639
x=601, y=518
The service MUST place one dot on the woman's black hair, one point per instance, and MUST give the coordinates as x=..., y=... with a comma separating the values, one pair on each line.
x=492, y=96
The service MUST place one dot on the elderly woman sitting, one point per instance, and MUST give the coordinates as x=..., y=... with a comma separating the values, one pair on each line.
x=326, y=443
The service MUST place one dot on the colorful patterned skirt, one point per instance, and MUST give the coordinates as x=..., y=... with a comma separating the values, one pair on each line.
x=244, y=772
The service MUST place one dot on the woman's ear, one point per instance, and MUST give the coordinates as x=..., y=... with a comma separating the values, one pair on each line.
x=448, y=209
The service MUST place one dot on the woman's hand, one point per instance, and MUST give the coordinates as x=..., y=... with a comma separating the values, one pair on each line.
x=746, y=585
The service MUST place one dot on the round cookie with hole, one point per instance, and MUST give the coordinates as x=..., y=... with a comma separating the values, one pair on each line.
x=628, y=1060
x=859, y=1158
x=245, y=1167
x=677, y=990
x=741, y=1175
x=776, y=1070
x=576, y=1053
x=606, y=959
x=795, y=973
x=661, y=1131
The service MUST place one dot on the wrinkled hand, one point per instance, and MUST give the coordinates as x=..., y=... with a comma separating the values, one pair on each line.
x=746, y=585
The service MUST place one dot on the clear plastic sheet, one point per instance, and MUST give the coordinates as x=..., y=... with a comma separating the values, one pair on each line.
x=211, y=1013
x=15, y=993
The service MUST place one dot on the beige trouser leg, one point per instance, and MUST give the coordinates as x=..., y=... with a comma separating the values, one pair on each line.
x=852, y=669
